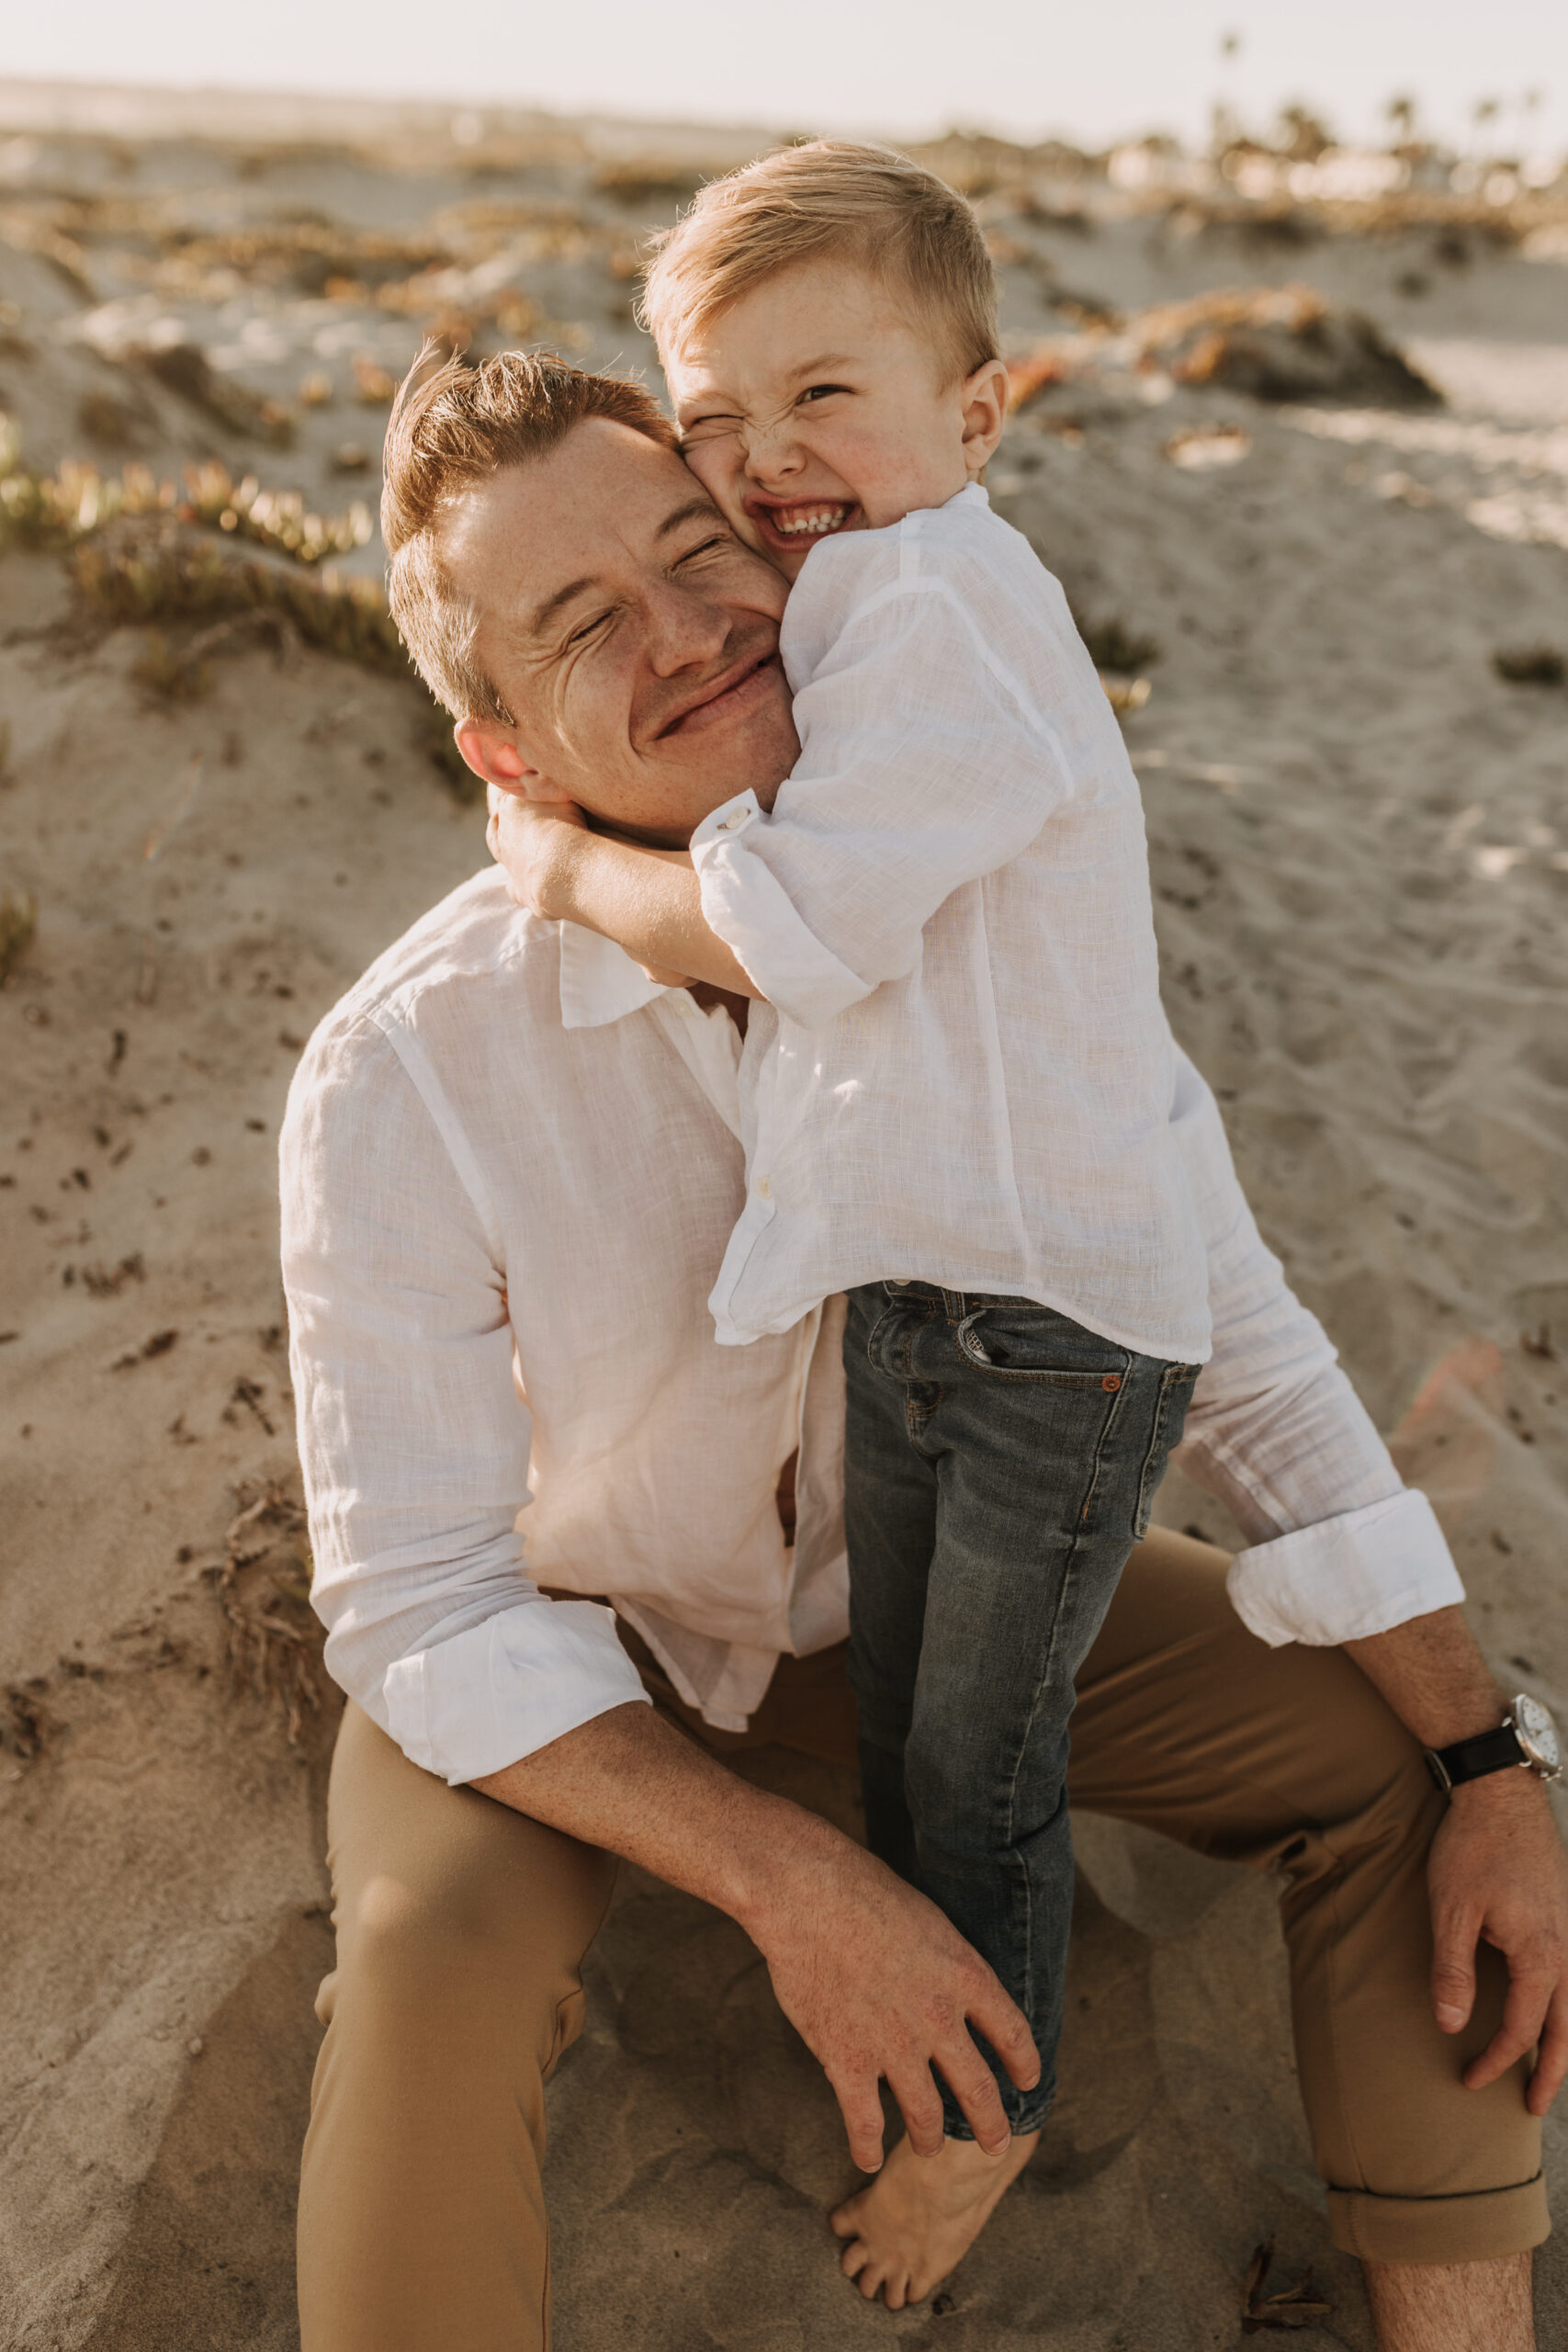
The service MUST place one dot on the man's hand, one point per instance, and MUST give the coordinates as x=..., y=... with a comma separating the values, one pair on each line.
x=874, y=1978
x=880, y=1986
x=1498, y=1873
x=1497, y=1870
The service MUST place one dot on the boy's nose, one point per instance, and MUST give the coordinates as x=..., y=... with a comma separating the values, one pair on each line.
x=771, y=452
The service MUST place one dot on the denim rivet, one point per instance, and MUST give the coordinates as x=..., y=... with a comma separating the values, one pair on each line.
x=1113, y=1380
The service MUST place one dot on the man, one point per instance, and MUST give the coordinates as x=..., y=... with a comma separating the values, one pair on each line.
x=511, y=1158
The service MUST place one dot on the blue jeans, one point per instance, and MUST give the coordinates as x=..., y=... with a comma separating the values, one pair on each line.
x=1000, y=1466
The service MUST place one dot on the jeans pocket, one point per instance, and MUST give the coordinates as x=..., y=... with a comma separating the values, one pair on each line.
x=1176, y=1383
x=1014, y=1340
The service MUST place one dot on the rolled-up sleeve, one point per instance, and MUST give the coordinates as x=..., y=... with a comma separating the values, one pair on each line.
x=923, y=766
x=412, y=1437
x=1338, y=1546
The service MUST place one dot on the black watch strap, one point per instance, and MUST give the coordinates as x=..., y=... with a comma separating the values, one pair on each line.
x=1468, y=1759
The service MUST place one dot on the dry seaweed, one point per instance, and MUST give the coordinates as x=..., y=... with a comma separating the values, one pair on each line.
x=49, y=512
x=168, y=674
x=27, y=1728
x=1285, y=342
x=185, y=369
x=1530, y=665
x=1113, y=646
x=153, y=569
x=263, y=1584
x=18, y=923
x=1295, y=2307
x=1276, y=342
x=646, y=182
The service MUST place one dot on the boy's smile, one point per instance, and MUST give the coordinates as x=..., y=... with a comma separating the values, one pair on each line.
x=818, y=404
x=786, y=525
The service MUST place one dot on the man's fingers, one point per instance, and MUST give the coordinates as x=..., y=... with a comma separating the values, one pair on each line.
x=1006, y=2027
x=1552, y=2059
x=862, y=2112
x=920, y=2104
x=1529, y=1992
x=1454, y=1938
x=973, y=2085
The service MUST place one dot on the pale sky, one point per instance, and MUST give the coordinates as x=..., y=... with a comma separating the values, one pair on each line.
x=1092, y=70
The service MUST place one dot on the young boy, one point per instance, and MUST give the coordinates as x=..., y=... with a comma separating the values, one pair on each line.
x=956, y=1081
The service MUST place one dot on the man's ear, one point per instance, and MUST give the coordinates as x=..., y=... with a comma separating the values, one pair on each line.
x=985, y=398
x=491, y=750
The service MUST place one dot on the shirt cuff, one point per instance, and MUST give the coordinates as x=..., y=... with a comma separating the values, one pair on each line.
x=502, y=1690
x=746, y=904
x=1347, y=1577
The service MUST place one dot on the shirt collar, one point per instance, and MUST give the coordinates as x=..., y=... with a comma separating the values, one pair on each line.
x=599, y=981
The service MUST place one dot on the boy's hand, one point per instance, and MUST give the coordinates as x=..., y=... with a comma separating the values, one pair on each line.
x=647, y=901
x=532, y=840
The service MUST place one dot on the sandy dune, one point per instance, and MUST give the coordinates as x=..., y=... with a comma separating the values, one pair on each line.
x=1361, y=842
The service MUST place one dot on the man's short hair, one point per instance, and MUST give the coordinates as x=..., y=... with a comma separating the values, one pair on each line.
x=452, y=427
x=840, y=200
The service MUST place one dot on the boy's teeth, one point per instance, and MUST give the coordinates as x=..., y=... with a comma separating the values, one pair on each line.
x=818, y=518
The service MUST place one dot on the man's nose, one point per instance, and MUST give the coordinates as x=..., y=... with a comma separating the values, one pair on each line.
x=684, y=629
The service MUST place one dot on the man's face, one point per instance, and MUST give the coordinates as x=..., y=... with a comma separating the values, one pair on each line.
x=631, y=635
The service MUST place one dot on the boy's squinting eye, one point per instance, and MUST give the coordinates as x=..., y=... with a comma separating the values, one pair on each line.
x=821, y=392
x=708, y=428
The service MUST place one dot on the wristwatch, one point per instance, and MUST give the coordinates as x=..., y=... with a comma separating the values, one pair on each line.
x=1526, y=1736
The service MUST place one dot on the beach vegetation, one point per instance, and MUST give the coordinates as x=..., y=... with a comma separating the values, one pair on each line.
x=18, y=923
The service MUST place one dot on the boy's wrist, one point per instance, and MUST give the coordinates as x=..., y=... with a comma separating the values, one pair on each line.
x=565, y=849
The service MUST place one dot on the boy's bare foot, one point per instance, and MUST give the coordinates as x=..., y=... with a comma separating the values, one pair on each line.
x=922, y=2214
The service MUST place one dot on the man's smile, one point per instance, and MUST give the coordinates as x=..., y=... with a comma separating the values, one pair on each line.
x=737, y=690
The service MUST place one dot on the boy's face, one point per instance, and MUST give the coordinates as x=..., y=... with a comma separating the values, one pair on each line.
x=815, y=405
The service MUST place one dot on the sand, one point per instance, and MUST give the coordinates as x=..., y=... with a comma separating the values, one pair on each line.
x=1361, y=850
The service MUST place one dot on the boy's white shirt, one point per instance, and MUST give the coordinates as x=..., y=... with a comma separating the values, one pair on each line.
x=962, y=1073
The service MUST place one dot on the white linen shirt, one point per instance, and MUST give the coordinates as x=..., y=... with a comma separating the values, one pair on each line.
x=510, y=1165
x=963, y=1073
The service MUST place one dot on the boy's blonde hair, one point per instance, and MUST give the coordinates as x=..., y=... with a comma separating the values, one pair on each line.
x=833, y=199
x=452, y=427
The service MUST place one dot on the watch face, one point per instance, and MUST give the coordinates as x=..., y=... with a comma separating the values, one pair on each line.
x=1537, y=1734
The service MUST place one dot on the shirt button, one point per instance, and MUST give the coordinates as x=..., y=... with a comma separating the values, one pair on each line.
x=762, y=1189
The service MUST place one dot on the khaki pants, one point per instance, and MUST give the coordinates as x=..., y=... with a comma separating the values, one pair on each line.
x=462, y=1928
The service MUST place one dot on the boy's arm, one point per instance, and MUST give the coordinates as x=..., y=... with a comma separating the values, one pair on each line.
x=647, y=901
x=925, y=763
x=941, y=728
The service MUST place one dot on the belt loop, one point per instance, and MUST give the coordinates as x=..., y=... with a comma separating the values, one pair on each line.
x=953, y=1302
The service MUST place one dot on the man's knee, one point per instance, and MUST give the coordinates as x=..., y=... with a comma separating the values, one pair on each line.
x=446, y=1898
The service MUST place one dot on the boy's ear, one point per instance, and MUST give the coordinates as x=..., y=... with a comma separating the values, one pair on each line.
x=985, y=398
x=491, y=752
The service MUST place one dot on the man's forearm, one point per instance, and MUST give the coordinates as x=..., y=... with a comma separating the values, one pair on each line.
x=650, y=902
x=879, y=1984
x=626, y=1782
x=1432, y=1674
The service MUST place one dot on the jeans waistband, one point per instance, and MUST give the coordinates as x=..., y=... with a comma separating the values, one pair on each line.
x=959, y=1303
